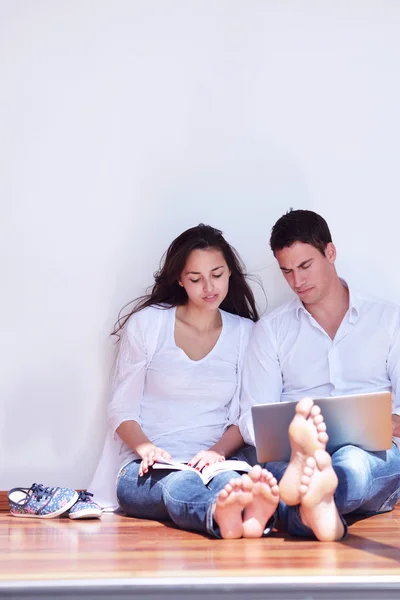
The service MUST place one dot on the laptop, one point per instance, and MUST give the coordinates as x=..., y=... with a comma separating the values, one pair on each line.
x=363, y=420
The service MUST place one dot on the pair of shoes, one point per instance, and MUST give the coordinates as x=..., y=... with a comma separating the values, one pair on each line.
x=49, y=502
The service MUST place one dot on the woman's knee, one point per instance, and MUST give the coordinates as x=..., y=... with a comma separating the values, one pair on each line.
x=140, y=496
x=183, y=484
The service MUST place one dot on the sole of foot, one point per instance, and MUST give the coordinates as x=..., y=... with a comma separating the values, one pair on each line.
x=317, y=506
x=263, y=506
x=231, y=501
x=307, y=433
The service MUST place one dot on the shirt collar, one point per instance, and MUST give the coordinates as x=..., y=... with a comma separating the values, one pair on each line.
x=354, y=304
x=299, y=307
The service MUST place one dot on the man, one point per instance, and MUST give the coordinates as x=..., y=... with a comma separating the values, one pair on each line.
x=328, y=341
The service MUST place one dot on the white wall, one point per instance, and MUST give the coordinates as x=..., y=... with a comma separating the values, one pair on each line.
x=124, y=122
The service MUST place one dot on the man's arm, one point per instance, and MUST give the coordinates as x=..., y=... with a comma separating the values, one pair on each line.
x=262, y=378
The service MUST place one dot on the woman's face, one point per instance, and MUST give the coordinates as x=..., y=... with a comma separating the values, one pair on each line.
x=205, y=278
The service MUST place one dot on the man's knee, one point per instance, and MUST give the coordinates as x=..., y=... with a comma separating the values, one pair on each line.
x=352, y=468
x=352, y=459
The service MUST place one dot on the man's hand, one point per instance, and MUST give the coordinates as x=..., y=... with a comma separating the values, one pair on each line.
x=204, y=458
x=149, y=453
x=396, y=425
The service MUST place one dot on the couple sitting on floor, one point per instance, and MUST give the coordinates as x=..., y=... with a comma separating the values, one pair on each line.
x=191, y=364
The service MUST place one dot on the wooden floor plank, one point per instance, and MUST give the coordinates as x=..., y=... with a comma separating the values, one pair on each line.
x=118, y=547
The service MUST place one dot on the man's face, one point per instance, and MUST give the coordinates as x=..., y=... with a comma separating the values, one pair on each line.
x=307, y=271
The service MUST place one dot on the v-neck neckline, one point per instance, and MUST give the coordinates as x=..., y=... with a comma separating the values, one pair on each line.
x=213, y=349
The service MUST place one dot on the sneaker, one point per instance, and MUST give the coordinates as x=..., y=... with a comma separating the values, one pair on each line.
x=85, y=507
x=39, y=501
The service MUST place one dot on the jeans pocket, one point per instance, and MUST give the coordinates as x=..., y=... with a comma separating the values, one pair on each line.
x=121, y=474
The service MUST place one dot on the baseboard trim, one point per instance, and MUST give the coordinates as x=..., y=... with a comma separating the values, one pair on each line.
x=214, y=588
x=4, y=502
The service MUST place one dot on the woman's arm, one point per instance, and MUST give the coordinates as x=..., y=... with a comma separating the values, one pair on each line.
x=128, y=386
x=132, y=434
x=230, y=441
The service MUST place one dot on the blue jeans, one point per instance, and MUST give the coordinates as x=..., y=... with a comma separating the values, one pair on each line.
x=177, y=496
x=369, y=483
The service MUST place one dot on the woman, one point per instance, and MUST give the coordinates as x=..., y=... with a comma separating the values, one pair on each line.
x=176, y=394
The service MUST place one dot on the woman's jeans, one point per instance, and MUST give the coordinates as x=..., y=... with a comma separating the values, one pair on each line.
x=177, y=496
x=369, y=483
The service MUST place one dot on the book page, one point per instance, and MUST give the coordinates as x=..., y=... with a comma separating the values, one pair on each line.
x=239, y=466
x=207, y=473
x=162, y=463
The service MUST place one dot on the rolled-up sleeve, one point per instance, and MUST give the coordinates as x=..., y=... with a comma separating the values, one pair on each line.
x=129, y=376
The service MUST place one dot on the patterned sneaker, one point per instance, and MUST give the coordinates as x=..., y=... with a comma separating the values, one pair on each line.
x=41, y=502
x=85, y=507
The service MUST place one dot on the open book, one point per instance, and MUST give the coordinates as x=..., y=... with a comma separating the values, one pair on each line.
x=208, y=472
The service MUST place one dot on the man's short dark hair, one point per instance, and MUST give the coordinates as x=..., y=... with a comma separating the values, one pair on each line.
x=303, y=226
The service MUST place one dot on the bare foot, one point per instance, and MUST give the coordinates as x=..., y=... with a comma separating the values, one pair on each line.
x=307, y=433
x=317, y=506
x=228, y=509
x=265, y=500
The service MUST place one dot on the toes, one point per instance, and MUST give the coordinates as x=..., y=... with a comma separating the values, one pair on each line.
x=275, y=489
x=266, y=476
x=246, y=483
x=303, y=489
x=308, y=471
x=223, y=495
x=318, y=419
x=315, y=411
x=270, y=481
x=323, y=437
x=305, y=480
x=255, y=473
x=311, y=461
x=322, y=459
x=304, y=407
x=321, y=427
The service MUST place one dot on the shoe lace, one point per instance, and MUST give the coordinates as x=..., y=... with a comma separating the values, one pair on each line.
x=38, y=491
x=84, y=496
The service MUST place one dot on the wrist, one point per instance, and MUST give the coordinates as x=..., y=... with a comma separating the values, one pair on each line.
x=143, y=448
x=220, y=451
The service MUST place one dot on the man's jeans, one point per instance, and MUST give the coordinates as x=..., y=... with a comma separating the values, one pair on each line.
x=369, y=483
x=177, y=496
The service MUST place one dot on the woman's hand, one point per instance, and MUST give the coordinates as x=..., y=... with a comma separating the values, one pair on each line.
x=204, y=458
x=149, y=453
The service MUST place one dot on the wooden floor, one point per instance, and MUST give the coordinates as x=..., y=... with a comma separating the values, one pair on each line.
x=118, y=549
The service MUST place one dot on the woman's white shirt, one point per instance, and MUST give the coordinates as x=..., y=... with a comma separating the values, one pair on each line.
x=182, y=405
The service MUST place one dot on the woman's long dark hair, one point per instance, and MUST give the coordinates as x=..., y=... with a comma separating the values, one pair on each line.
x=167, y=292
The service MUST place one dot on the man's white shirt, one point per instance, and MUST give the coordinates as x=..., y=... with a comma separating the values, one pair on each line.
x=291, y=356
